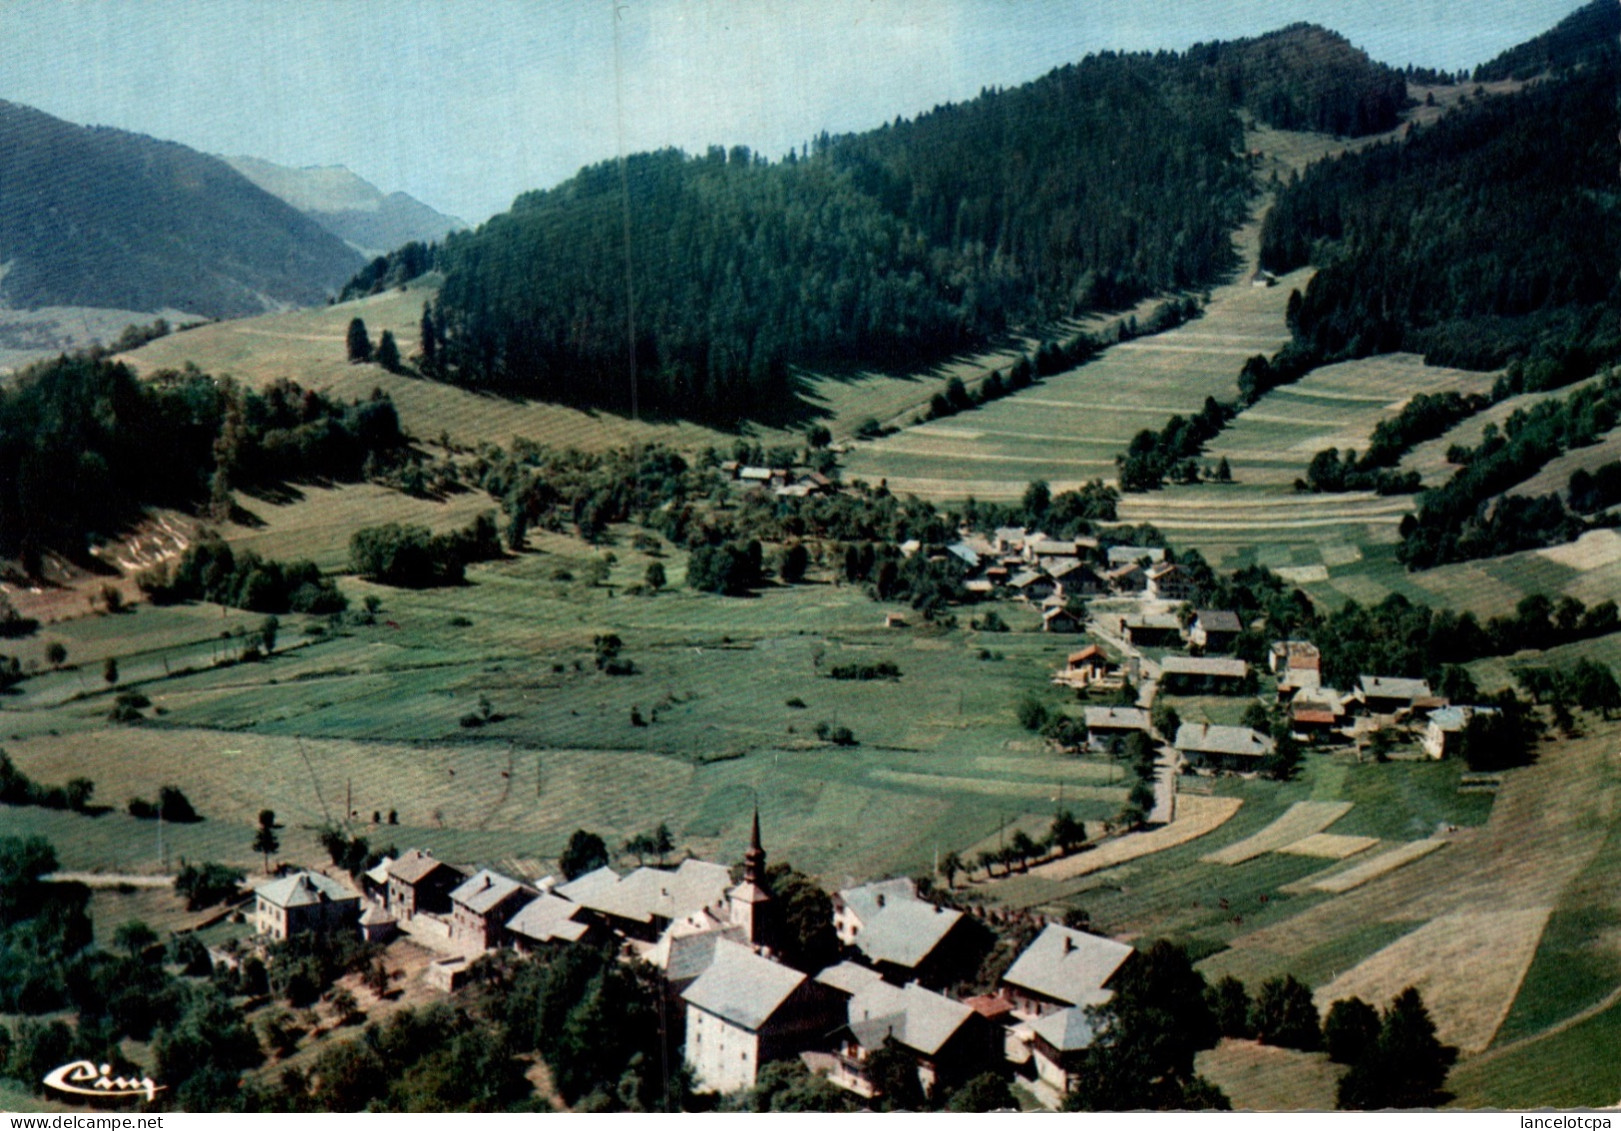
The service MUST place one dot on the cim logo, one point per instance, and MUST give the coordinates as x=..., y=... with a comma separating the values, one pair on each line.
x=85, y=1078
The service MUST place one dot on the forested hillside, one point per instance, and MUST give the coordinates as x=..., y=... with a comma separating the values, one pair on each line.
x=1494, y=235
x=91, y=216
x=1589, y=36
x=1104, y=181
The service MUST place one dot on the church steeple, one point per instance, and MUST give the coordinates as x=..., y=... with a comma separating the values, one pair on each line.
x=751, y=904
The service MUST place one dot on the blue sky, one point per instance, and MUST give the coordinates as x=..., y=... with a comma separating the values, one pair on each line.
x=466, y=104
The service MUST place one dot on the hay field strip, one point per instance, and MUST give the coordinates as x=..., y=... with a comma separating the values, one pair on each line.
x=1195, y=817
x=1301, y=820
x=1330, y=846
x=1429, y=458
x=1372, y=867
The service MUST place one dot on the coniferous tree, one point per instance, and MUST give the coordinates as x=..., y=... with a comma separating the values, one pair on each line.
x=358, y=342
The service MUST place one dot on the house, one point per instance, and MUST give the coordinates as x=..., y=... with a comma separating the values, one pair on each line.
x=418, y=884
x=1298, y=665
x=549, y=920
x=1061, y=968
x=1239, y=749
x=1058, y=1043
x=1033, y=585
x=950, y=1041
x=899, y=935
x=1443, y=735
x=304, y=902
x=745, y=1011
x=481, y=906
x=642, y=903
x=1212, y=675
x=1076, y=578
x=1129, y=577
x=1037, y=549
x=374, y=881
x=1059, y=619
x=376, y=924
x=1086, y=667
x=1214, y=630
x=1107, y=728
x=1312, y=722
x=1386, y=695
x=1152, y=630
x=1168, y=581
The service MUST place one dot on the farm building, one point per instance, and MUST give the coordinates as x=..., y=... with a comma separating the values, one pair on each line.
x=1009, y=539
x=376, y=924
x=548, y=920
x=1387, y=695
x=1313, y=722
x=1443, y=735
x=1152, y=630
x=1168, y=581
x=1298, y=664
x=1129, y=577
x=1214, y=630
x=418, y=884
x=898, y=934
x=1060, y=619
x=1127, y=555
x=964, y=553
x=1083, y=668
x=481, y=906
x=1239, y=749
x=1077, y=548
x=949, y=1040
x=1033, y=585
x=1062, y=968
x=745, y=1011
x=374, y=881
x=1214, y=675
x=1109, y=727
x=304, y=902
x=1076, y=578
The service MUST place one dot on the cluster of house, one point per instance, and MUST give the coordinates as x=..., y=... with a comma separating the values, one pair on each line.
x=1048, y=572
x=1317, y=714
x=716, y=944
x=781, y=481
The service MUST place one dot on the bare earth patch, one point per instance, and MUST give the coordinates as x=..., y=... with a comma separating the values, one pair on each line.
x=1302, y=819
x=1467, y=965
x=1195, y=816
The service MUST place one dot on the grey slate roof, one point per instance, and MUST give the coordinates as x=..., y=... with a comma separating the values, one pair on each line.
x=689, y=955
x=1117, y=718
x=1167, y=621
x=415, y=866
x=904, y=930
x=485, y=890
x=1068, y=1030
x=548, y=918
x=1068, y=965
x=851, y=977
x=918, y=1018
x=304, y=888
x=1218, y=620
x=1205, y=666
x=1393, y=687
x=1205, y=739
x=741, y=987
x=647, y=892
x=966, y=552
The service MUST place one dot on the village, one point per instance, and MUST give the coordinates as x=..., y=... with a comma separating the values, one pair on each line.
x=715, y=937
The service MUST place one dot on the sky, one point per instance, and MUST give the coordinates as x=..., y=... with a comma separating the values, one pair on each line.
x=465, y=104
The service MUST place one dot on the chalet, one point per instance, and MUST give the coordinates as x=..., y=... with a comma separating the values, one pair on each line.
x=1443, y=734
x=480, y=908
x=642, y=903
x=418, y=884
x=1058, y=1043
x=1033, y=585
x=304, y=902
x=1312, y=722
x=1152, y=630
x=1298, y=665
x=1009, y=539
x=898, y=934
x=1129, y=577
x=979, y=587
x=1127, y=555
x=1062, y=968
x=949, y=1040
x=1060, y=619
x=1212, y=675
x=1214, y=630
x=1075, y=548
x=549, y=920
x=1238, y=749
x=1168, y=581
x=1386, y=695
x=1108, y=727
x=1076, y=578
x=745, y=1011
x=1086, y=667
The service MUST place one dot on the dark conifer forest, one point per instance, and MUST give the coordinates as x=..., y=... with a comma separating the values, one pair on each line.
x=1103, y=182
